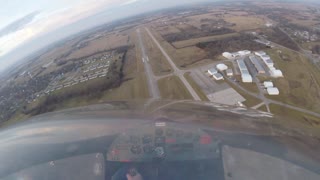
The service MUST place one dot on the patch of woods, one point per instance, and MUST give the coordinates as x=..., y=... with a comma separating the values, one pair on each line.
x=92, y=89
x=192, y=32
x=282, y=38
x=231, y=44
x=316, y=49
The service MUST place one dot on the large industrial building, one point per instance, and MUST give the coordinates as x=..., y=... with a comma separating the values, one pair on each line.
x=276, y=73
x=233, y=55
x=245, y=75
x=257, y=65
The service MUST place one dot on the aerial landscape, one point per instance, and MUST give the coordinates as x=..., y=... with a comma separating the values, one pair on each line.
x=258, y=55
x=259, y=59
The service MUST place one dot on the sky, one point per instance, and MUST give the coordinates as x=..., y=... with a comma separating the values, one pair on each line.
x=22, y=23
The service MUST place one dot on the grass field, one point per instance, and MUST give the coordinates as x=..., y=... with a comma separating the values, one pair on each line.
x=252, y=87
x=105, y=43
x=195, y=86
x=309, y=45
x=135, y=85
x=160, y=65
x=293, y=115
x=245, y=22
x=168, y=30
x=250, y=101
x=263, y=108
x=184, y=57
x=172, y=88
x=300, y=87
x=193, y=42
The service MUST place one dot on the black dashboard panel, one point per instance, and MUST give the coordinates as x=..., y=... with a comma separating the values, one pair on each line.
x=164, y=141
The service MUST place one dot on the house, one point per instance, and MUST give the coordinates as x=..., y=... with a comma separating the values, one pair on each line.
x=212, y=71
x=273, y=91
x=268, y=84
x=218, y=76
x=276, y=73
x=229, y=72
x=227, y=55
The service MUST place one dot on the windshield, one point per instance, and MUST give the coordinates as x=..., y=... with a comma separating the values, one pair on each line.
x=150, y=89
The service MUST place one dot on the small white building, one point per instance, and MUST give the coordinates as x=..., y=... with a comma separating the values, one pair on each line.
x=212, y=71
x=229, y=72
x=268, y=84
x=217, y=76
x=269, y=62
x=265, y=57
x=222, y=67
x=260, y=53
x=227, y=55
x=276, y=73
x=246, y=78
x=273, y=91
x=244, y=52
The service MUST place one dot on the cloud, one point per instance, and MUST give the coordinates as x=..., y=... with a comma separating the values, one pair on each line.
x=129, y=2
x=49, y=21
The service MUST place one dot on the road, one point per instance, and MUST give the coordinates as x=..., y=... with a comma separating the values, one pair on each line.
x=151, y=79
x=176, y=70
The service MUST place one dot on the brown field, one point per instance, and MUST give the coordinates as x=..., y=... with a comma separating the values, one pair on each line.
x=172, y=88
x=193, y=42
x=183, y=58
x=196, y=20
x=245, y=22
x=135, y=83
x=106, y=43
x=160, y=65
x=238, y=13
x=167, y=30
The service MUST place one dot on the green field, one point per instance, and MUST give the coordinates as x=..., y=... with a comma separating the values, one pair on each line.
x=172, y=88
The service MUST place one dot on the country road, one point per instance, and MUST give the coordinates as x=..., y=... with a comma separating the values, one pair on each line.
x=176, y=71
x=152, y=81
